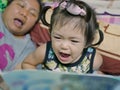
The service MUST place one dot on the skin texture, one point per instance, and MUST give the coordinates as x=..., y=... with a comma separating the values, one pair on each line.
x=67, y=44
x=20, y=16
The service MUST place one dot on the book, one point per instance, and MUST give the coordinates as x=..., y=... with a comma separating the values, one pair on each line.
x=50, y=80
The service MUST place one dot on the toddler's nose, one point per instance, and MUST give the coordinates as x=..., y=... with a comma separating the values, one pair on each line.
x=24, y=12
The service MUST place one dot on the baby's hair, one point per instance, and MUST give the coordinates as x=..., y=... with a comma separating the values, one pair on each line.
x=84, y=19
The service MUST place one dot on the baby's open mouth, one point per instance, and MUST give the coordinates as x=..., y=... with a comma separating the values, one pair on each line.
x=19, y=23
x=64, y=55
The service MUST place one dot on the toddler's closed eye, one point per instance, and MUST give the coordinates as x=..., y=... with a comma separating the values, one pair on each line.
x=75, y=41
x=57, y=37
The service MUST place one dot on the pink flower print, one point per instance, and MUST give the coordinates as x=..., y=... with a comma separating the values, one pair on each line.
x=1, y=35
x=4, y=50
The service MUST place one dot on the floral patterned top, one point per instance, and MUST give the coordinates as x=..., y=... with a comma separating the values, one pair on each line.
x=83, y=65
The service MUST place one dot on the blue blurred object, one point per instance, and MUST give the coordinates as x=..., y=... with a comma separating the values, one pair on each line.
x=47, y=80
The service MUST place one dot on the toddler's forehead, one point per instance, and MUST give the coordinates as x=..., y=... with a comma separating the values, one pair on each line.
x=66, y=26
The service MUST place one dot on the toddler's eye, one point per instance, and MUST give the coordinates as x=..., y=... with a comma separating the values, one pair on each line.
x=33, y=13
x=74, y=41
x=57, y=37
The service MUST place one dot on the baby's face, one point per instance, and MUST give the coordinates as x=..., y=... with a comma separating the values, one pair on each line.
x=20, y=16
x=68, y=43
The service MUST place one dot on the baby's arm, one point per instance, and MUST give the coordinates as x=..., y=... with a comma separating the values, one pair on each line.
x=98, y=60
x=34, y=58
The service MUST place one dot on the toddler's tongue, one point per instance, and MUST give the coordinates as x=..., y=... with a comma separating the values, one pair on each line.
x=18, y=23
x=64, y=55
